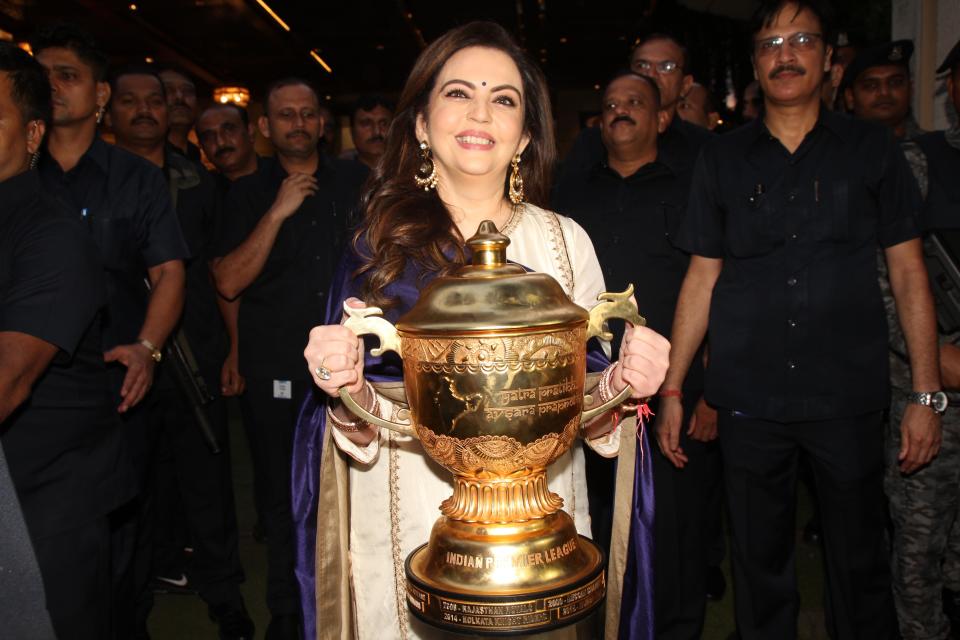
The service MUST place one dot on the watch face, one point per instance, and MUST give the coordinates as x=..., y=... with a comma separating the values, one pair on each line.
x=939, y=402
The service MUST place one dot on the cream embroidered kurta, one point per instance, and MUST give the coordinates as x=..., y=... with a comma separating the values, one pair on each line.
x=396, y=489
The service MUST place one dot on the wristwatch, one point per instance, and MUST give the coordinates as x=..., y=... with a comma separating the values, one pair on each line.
x=155, y=353
x=936, y=400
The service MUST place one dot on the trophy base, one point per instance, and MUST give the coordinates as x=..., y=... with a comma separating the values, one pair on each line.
x=505, y=579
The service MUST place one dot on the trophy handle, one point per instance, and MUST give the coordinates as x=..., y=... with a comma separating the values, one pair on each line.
x=370, y=320
x=611, y=305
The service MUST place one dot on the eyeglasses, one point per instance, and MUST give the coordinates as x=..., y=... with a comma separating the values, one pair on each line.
x=799, y=41
x=663, y=68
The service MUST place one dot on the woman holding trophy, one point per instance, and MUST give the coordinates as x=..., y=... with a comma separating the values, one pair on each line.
x=472, y=140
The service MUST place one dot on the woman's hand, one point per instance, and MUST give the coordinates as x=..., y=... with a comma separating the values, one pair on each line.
x=644, y=358
x=338, y=350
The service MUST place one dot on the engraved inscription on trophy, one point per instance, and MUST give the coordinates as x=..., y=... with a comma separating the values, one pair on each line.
x=516, y=561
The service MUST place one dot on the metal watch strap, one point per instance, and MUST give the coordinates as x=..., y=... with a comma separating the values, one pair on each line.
x=155, y=353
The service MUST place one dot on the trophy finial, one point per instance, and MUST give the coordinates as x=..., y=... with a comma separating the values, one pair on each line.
x=489, y=245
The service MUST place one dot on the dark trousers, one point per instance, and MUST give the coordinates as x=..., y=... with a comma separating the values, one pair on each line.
x=75, y=565
x=684, y=534
x=760, y=469
x=131, y=526
x=271, y=422
x=194, y=487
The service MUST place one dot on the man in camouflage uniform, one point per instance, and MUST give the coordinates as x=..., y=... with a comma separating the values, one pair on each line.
x=876, y=87
x=923, y=505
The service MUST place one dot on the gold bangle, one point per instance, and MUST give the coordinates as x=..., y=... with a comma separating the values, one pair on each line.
x=359, y=423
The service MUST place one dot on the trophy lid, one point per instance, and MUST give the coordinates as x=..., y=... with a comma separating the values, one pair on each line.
x=490, y=294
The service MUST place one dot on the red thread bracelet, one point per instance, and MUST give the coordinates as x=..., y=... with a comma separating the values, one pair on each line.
x=671, y=393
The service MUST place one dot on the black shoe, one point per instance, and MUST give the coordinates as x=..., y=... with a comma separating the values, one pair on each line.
x=283, y=627
x=173, y=586
x=716, y=584
x=811, y=532
x=233, y=620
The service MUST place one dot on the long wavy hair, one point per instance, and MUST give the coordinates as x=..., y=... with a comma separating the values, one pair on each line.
x=404, y=223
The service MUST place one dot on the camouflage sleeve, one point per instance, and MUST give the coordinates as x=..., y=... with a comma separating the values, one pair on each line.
x=918, y=164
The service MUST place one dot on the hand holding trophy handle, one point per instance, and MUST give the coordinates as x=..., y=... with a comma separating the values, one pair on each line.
x=369, y=320
x=611, y=305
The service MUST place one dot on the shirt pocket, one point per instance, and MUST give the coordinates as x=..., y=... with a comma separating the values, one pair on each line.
x=834, y=221
x=115, y=238
x=751, y=226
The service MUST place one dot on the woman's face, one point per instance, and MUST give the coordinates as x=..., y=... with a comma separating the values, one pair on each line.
x=474, y=119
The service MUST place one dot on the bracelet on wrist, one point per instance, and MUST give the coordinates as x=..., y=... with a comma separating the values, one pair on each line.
x=671, y=393
x=355, y=425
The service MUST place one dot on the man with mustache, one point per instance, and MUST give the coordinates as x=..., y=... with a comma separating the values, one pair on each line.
x=783, y=223
x=663, y=57
x=182, y=101
x=187, y=477
x=280, y=242
x=369, y=123
x=125, y=204
x=226, y=136
x=630, y=204
x=877, y=88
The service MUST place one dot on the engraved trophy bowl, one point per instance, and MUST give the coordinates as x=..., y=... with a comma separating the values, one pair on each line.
x=494, y=362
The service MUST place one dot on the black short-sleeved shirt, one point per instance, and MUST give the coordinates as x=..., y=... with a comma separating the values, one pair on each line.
x=63, y=444
x=941, y=209
x=125, y=203
x=797, y=326
x=678, y=146
x=289, y=297
x=633, y=223
x=197, y=201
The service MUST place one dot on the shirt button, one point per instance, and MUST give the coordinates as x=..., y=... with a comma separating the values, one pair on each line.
x=794, y=236
x=791, y=365
x=792, y=323
x=317, y=257
x=313, y=223
x=791, y=282
x=792, y=195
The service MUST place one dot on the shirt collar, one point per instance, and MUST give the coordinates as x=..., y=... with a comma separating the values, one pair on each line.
x=18, y=190
x=99, y=152
x=835, y=123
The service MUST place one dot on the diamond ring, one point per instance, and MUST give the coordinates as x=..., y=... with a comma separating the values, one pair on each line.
x=322, y=372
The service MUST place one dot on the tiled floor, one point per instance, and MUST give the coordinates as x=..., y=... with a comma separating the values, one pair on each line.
x=177, y=617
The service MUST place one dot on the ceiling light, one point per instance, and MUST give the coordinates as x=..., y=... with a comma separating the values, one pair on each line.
x=316, y=56
x=148, y=60
x=239, y=96
x=273, y=14
x=132, y=7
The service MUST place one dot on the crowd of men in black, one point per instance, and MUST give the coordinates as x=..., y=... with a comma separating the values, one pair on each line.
x=129, y=272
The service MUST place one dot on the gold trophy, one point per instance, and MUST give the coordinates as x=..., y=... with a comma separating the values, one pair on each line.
x=494, y=363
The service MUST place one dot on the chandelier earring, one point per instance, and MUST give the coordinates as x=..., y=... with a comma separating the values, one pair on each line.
x=426, y=175
x=516, y=181
x=34, y=159
x=100, y=112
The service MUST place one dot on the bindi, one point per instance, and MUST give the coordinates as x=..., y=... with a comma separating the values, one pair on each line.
x=483, y=84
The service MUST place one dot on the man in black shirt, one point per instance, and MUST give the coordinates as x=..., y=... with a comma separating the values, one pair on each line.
x=182, y=103
x=187, y=475
x=664, y=58
x=877, y=88
x=282, y=236
x=783, y=222
x=59, y=431
x=631, y=204
x=124, y=202
x=226, y=136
